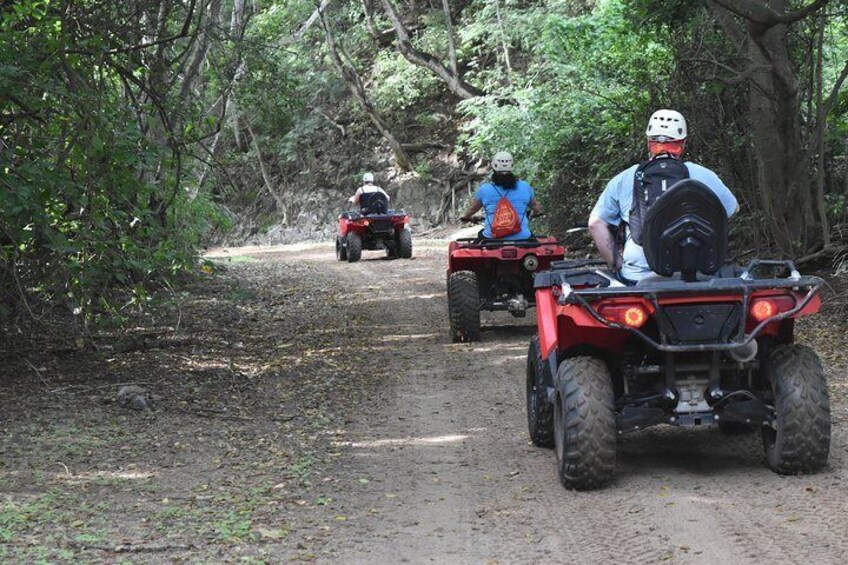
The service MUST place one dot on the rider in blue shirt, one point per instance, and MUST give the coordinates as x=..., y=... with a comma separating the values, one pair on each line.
x=667, y=138
x=504, y=184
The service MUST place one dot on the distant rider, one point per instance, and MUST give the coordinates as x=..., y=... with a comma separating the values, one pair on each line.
x=369, y=197
x=666, y=135
x=506, y=200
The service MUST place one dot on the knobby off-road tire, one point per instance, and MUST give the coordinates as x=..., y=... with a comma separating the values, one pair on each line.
x=584, y=424
x=801, y=442
x=354, y=247
x=464, y=306
x=540, y=412
x=405, y=244
x=391, y=250
x=341, y=253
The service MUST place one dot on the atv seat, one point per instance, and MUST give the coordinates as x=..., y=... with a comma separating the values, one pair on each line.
x=685, y=232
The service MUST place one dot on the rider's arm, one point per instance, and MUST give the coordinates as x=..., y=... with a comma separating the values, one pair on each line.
x=604, y=240
x=472, y=208
x=355, y=198
x=535, y=206
x=607, y=213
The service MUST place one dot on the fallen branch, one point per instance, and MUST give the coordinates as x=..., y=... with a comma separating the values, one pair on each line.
x=826, y=251
x=129, y=548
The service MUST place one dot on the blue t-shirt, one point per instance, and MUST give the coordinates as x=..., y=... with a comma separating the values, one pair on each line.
x=614, y=206
x=489, y=195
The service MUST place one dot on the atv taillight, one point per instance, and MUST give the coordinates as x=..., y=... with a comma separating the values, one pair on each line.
x=365, y=222
x=509, y=253
x=630, y=315
x=765, y=308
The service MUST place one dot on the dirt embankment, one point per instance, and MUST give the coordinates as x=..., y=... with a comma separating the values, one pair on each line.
x=316, y=411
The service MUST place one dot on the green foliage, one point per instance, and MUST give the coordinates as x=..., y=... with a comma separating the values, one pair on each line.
x=582, y=124
x=94, y=178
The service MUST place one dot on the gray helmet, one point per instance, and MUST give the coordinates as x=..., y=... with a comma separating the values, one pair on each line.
x=368, y=178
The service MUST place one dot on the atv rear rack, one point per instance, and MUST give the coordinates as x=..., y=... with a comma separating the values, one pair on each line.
x=743, y=284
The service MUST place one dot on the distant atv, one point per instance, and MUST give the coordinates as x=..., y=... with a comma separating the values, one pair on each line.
x=700, y=344
x=494, y=274
x=358, y=231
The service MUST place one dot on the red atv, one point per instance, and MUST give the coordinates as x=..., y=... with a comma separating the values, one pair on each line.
x=358, y=231
x=698, y=345
x=493, y=274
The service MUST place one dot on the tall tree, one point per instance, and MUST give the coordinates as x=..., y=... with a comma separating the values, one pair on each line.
x=354, y=84
x=450, y=77
x=783, y=145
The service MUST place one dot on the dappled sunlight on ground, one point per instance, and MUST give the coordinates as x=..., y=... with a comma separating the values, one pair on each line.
x=410, y=441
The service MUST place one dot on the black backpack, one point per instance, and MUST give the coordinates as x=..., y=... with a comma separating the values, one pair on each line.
x=374, y=203
x=651, y=180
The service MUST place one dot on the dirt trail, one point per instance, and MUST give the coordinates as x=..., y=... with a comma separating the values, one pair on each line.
x=452, y=477
x=316, y=411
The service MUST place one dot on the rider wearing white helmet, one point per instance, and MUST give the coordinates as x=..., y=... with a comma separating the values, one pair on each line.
x=504, y=185
x=368, y=188
x=666, y=136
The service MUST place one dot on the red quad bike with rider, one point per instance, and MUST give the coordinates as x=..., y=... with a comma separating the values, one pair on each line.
x=374, y=226
x=494, y=274
x=701, y=344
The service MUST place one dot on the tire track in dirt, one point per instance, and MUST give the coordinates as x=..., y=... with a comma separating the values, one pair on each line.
x=448, y=475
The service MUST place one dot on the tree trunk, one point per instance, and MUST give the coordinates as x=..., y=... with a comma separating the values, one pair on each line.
x=416, y=57
x=356, y=88
x=774, y=107
x=269, y=185
x=820, y=127
x=784, y=180
x=451, y=40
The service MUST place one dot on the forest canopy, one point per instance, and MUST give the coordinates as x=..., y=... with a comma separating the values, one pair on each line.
x=129, y=130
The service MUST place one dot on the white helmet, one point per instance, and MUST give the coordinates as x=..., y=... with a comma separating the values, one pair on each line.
x=368, y=177
x=502, y=162
x=667, y=123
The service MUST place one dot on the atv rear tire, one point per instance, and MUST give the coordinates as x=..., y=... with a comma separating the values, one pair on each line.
x=464, y=306
x=341, y=252
x=405, y=244
x=540, y=412
x=584, y=424
x=801, y=441
x=354, y=247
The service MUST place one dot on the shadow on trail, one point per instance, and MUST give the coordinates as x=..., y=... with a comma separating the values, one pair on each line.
x=507, y=330
x=704, y=453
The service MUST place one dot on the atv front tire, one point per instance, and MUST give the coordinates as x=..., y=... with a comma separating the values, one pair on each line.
x=464, y=306
x=341, y=252
x=800, y=440
x=584, y=424
x=404, y=244
x=540, y=412
x=354, y=247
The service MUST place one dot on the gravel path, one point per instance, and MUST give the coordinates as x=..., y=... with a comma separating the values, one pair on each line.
x=452, y=477
x=316, y=411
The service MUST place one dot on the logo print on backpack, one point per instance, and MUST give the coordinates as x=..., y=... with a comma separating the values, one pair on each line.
x=505, y=221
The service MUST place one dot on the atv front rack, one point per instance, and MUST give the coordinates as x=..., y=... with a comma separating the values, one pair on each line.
x=476, y=243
